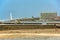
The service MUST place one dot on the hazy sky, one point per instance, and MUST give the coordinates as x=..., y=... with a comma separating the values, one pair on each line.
x=27, y=8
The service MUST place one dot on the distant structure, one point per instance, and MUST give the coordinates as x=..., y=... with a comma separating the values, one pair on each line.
x=48, y=16
x=11, y=16
x=45, y=18
x=57, y=18
x=29, y=19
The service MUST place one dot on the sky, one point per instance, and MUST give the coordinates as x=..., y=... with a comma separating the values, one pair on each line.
x=27, y=8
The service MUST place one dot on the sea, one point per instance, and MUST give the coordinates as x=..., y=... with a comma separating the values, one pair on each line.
x=32, y=38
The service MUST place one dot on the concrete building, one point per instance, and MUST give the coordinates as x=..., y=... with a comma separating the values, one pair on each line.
x=48, y=16
x=57, y=18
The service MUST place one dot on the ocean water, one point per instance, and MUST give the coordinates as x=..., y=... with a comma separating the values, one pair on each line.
x=32, y=38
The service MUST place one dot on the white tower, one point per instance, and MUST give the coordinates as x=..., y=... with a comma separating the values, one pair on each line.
x=11, y=16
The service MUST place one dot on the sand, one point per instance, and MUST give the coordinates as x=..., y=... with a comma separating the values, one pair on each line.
x=29, y=33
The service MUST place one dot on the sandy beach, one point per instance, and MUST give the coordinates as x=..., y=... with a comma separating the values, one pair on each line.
x=29, y=33
x=15, y=35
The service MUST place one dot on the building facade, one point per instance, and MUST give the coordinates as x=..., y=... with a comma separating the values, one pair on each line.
x=48, y=16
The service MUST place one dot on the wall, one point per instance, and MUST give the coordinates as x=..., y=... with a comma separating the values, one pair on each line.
x=16, y=27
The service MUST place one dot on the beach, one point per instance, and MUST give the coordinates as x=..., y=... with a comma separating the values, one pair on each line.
x=29, y=33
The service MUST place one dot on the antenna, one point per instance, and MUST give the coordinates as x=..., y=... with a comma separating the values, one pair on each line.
x=11, y=16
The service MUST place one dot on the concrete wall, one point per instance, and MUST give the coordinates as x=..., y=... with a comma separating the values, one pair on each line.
x=13, y=27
